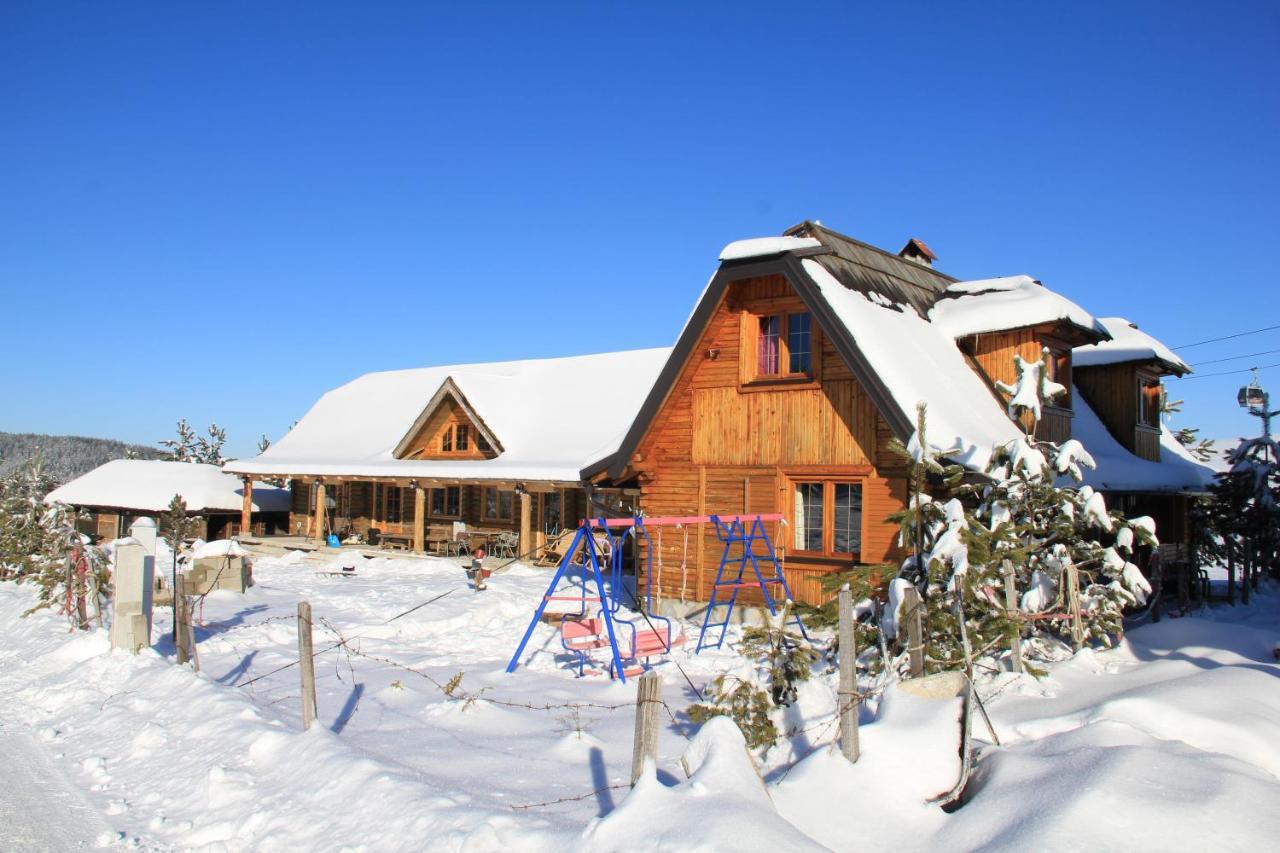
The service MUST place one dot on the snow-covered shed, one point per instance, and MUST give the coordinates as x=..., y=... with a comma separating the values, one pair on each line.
x=495, y=446
x=114, y=494
x=805, y=355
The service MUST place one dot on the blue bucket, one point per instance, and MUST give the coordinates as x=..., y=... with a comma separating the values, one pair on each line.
x=333, y=541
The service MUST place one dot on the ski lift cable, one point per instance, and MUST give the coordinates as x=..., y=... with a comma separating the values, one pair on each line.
x=1225, y=372
x=1226, y=337
x=1233, y=357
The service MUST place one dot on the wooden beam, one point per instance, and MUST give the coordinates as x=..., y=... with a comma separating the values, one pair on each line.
x=419, y=519
x=320, y=515
x=526, y=522
x=674, y=520
x=246, y=509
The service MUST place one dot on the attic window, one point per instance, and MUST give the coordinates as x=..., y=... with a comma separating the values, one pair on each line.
x=783, y=345
x=482, y=443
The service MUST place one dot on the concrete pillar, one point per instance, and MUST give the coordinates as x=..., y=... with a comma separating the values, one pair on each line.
x=133, y=578
x=146, y=531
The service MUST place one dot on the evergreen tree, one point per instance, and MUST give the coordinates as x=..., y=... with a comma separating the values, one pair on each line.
x=1030, y=512
x=188, y=447
x=1243, y=514
x=40, y=544
x=753, y=693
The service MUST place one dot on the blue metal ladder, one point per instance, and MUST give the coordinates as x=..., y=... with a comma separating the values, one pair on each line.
x=736, y=533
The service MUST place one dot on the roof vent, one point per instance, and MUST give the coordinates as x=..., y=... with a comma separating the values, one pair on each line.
x=917, y=251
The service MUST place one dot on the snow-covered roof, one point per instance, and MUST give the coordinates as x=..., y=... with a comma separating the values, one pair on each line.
x=1128, y=343
x=552, y=417
x=917, y=363
x=1121, y=471
x=1011, y=302
x=758, y=247
x=147, y=484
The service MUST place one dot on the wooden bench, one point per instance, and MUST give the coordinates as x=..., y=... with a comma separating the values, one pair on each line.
x=399, y=541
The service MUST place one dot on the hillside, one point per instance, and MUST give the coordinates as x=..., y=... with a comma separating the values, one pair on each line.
x=66, y=456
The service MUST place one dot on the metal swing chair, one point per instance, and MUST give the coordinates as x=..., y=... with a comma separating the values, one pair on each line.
x=631, y=646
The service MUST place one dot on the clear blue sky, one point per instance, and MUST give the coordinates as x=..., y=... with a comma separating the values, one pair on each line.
x=219, y=211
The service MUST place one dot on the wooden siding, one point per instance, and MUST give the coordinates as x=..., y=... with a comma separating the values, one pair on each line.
x=831, y=424
x=992, y=354
x=722, y=446
x=1112, y=391
x=1146, y=443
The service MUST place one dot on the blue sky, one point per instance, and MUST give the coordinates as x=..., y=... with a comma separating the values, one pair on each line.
x=219, y=211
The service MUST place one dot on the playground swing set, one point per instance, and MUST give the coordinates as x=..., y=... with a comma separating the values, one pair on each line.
x=631, y=647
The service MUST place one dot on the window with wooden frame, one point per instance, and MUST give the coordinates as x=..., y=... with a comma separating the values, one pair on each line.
x=1150, y=401
x=446, y=502
x=482, y=443
x=779, y=346
x=395, y=502
x=826, y=518
x=456, y=438
x=499, y=504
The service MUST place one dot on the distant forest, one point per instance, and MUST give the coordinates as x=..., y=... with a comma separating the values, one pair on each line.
x=66, y=457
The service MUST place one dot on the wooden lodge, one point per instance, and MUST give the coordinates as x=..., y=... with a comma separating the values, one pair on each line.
x=805, y=356
x=809, y=352
x=441, y=458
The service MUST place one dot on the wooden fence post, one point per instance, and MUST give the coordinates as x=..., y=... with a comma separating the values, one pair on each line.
x=847, y=697
x=648, y=700
x=1073, y=606
x=1012, y=611
x=307, y=664
x=915, y=631
x=181, y=636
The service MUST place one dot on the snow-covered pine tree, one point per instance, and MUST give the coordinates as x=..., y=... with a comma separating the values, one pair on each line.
x=189, y=447
x=753, y=693
x=182, y=448
x=1030, y=511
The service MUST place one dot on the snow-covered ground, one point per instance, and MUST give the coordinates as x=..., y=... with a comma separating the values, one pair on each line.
x=1171, y=741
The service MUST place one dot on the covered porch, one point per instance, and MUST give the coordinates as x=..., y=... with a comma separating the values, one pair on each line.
x=435, y=516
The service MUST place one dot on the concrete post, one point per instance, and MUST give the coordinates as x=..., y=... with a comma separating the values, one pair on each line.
x=131, y=618
x=145, y=530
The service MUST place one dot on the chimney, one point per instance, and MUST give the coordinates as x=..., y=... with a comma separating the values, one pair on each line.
x=917, y=251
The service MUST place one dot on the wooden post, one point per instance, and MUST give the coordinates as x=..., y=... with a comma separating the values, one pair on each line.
x=526, y=522
x=321, y=514
x=246, y=509
x=1011, y=610
x=648, y=700
x=915, y=631
x=1073, y=606
x=181, y=622
x=419, y=519
x=307, y=665
x=847, y=697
